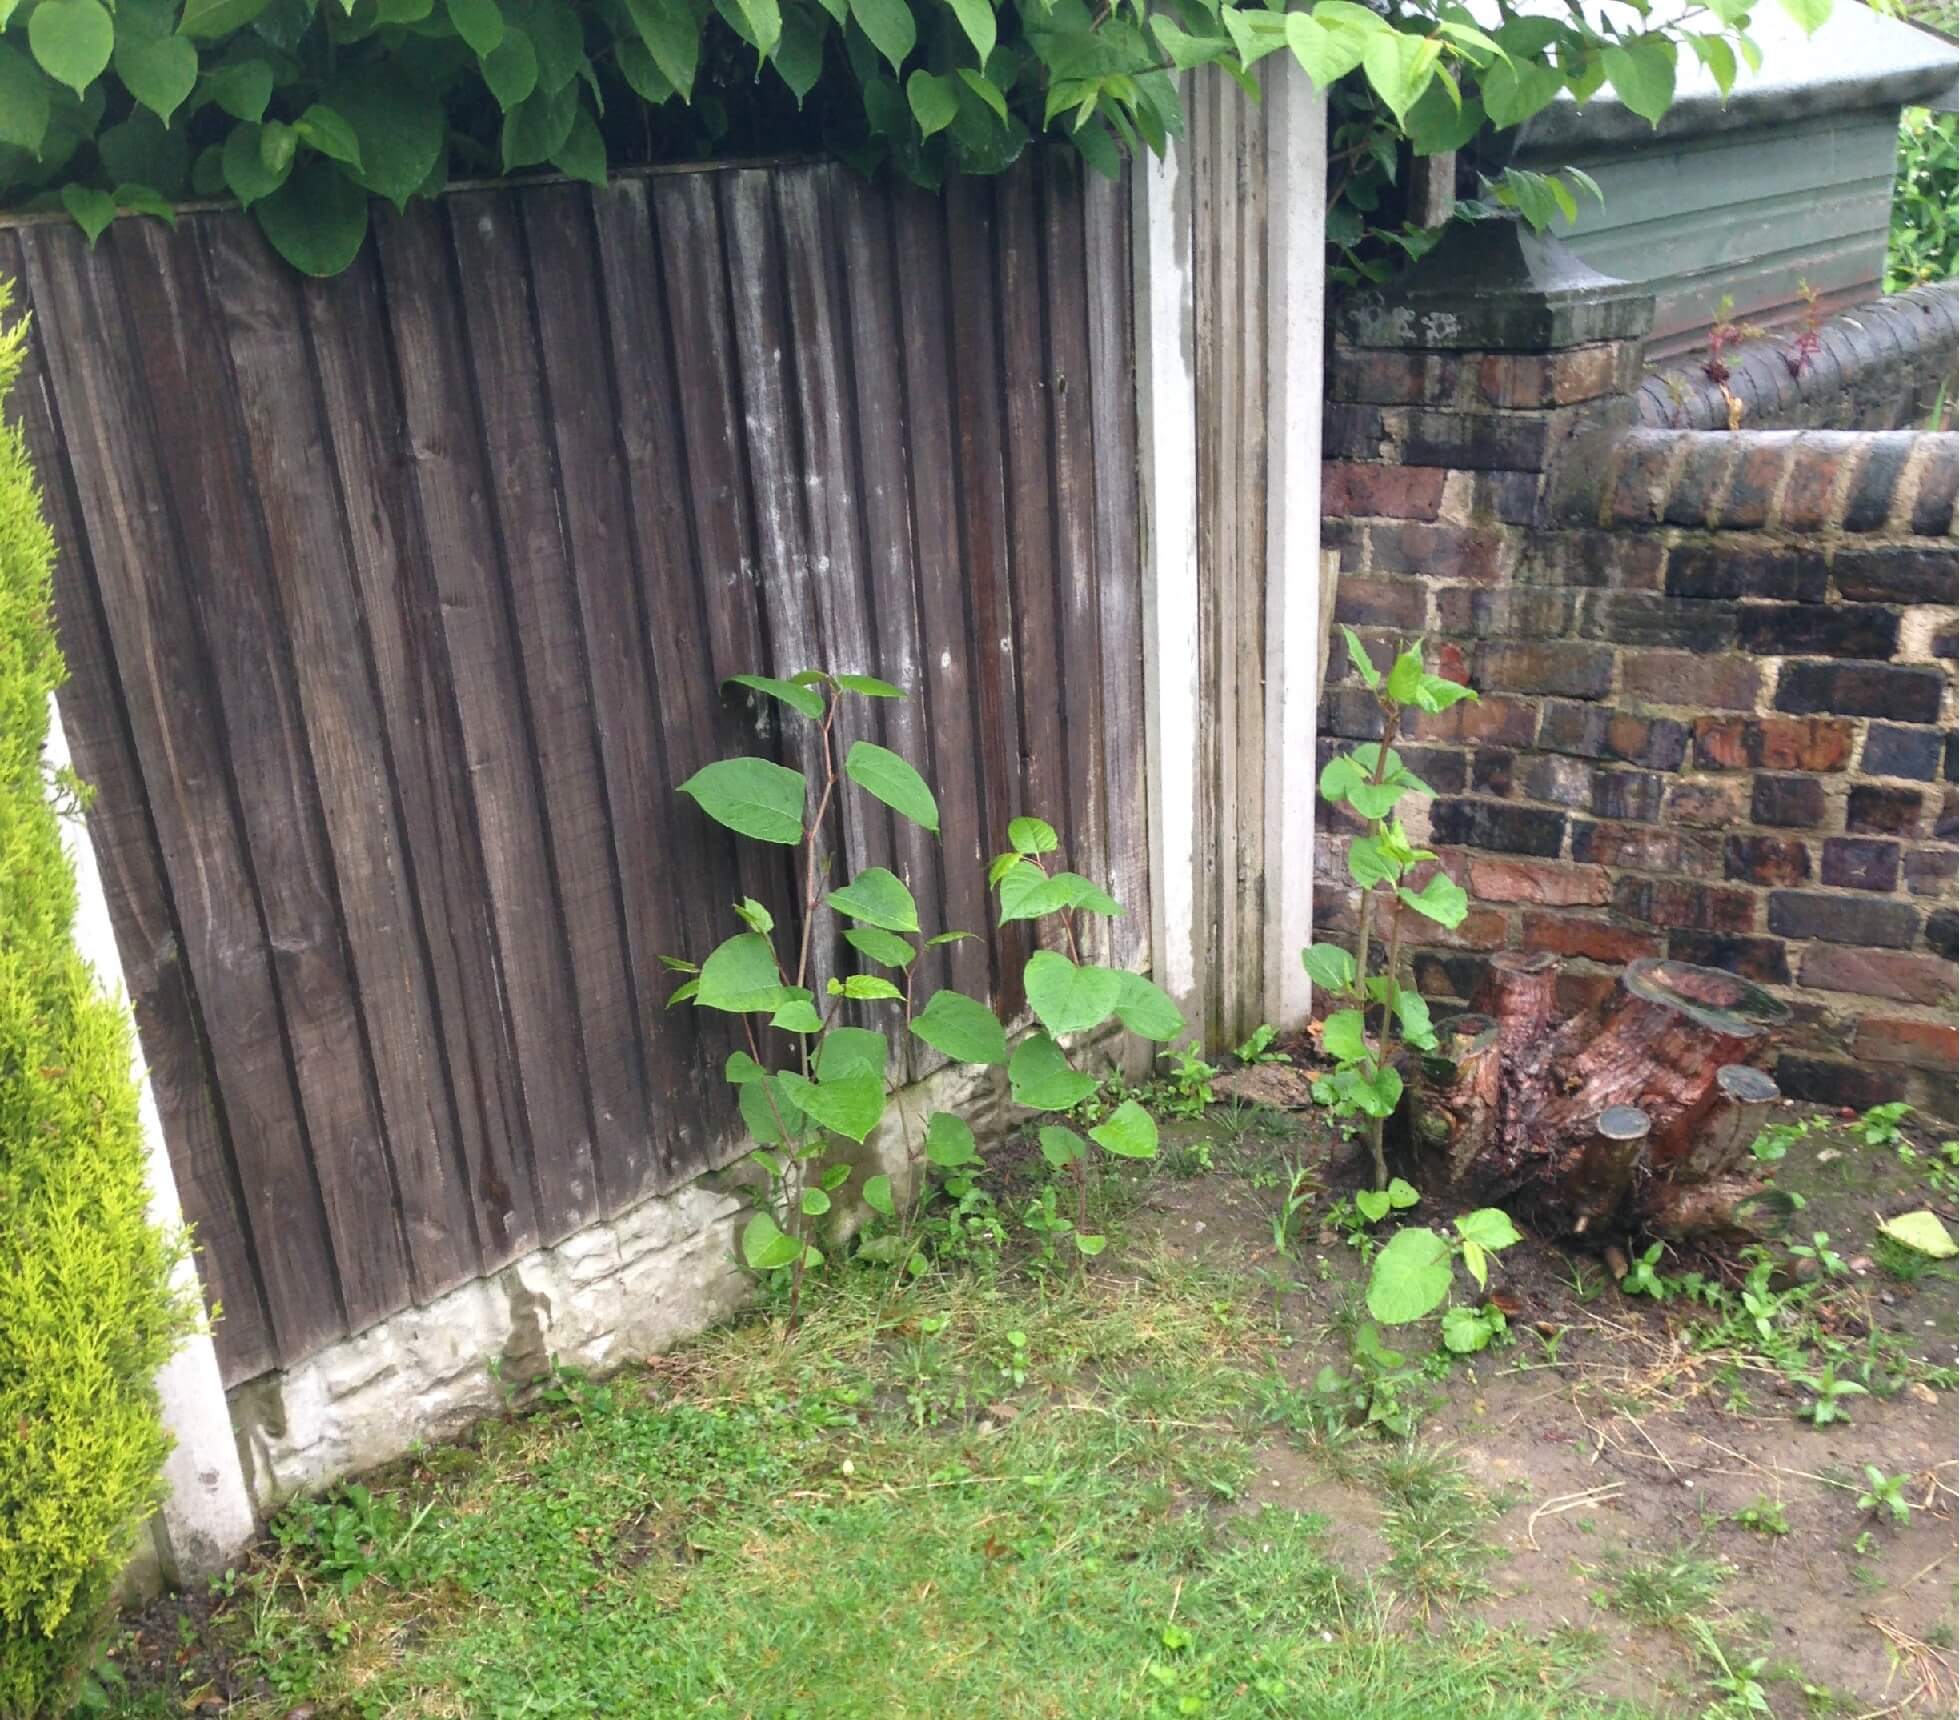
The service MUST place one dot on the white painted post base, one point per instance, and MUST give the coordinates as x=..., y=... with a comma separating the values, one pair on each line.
x=206, y=1514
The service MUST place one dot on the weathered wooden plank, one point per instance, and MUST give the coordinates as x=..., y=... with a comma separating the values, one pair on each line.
x=1112, y=438
x=525, y=506
x=973, y=243
x=724, y=602
x=201, y=446
x=688, y=867
x=1030, y=465
x=948, y=683
x=764, y=342
x=825, y=413
x=372, y=458
x=121, y=831
x=866, y=275
x=1072, y=483
x=582, y=416
x=493, y=763
x=307, y=570
x=129, y=509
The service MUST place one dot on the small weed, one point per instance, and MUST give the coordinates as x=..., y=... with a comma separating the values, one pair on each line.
x=1827, y=1403
x=1258, y=1047
x=1886, y=1493
x=1292, y=1211
x=1434, y=1526
x=1828, y=1261
x=1762, y=1517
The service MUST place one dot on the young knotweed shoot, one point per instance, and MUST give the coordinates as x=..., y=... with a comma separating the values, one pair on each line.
x=1886, y=1493
x=1372, y=780
x=834, y=1082
x=1413, y=1272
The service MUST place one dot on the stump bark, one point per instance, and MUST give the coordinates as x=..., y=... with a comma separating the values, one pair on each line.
x=1637, y=1113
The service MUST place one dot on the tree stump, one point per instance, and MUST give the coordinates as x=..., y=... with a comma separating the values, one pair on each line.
x=1639, y=1112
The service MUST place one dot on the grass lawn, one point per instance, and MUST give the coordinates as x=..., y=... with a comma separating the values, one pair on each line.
x=1001, y=1490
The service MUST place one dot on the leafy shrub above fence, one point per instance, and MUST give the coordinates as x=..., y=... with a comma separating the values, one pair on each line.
x=303, y=108
x=87, y=1314
x=1925, y=201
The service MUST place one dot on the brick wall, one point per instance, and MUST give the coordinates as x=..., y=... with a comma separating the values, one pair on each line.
x=1717, y=672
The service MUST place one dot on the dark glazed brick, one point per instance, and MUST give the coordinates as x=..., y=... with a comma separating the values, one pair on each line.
x=1811, y=630
x=1491, y=771
x=1764, y=960
x=1447, y=974
x=1646, y=618
x=1675, y=903
x=1364, y=602
x=1766, y=860
x=1860, y=863
x=1726, y=683
x=1765, y=454
x=1870, y=501
x=1597, y=559
x=1896, y=575
x=1441, y=769
x=1883, y=811
x=1351, y=432
x=1891, y=751
x=1930, y=871
x=1632, y=795
x=1939, y=479
x=1554, y=666
x=1593, y=731
x=1509, y=612
x=1351, y=712
x=1701, y=483
x=1641, y=476
x=1490, y=824
x=1713, y=570
x=1843, y=919
x=1825, y=1081
x=1508, y=496
x=1391, y=378
x=1906, y=695
x=1478, y=441
x=1794, y=802
x=1943, y=933
x=1950, y=756
x=1563, y=781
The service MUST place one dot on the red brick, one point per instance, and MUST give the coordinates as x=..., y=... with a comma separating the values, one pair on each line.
x=1546, y=884
x=1480, y=929
x=1813, y=476
x=1721, y=683
x=1928, y=1044
x=1597, y=940
x=1390, y=492
x=1691, y=907
x=1363, y=602
x=1548, y=379
x=1765, y=454
x=1707, y=805
x=1766, y=859
x=1640, y=483
x=1504, y=722
x=1647, y=849
x=1476, y=553
x=1772, y=743
x=1879, y=973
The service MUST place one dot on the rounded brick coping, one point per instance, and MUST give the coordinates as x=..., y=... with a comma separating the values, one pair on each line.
x=1903, y=483
x=1878, y=352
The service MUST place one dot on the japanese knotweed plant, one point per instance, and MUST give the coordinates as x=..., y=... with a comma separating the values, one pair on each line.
x=1372, y=780
x=809, y=1076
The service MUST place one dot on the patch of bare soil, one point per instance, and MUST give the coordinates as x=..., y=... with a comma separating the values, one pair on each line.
x=1628, y=1460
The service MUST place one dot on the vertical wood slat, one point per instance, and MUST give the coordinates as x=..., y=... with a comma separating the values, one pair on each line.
x=181, y=755
x=400, y=604
x=156, y=963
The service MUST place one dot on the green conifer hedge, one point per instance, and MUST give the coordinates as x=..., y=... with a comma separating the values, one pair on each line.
x=87, y=1308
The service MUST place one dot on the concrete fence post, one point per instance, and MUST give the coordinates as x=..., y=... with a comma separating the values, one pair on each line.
x=205, y=1517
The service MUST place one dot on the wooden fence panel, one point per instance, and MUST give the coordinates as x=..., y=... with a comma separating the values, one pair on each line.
x=397, y=605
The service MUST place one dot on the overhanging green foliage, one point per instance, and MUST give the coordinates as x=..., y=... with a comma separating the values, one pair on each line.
x=301, y=109
x=87, y=1314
